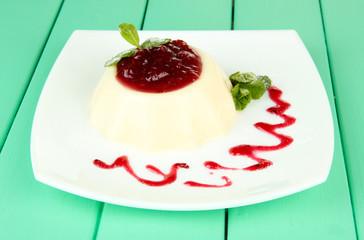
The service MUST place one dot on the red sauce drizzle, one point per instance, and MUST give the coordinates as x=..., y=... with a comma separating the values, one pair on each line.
x=240, y=150
x=123, y=162
x=228, y=183
x=252, y=150
x=215, y=166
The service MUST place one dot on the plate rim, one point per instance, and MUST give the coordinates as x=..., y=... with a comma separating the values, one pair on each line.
x=39, y=176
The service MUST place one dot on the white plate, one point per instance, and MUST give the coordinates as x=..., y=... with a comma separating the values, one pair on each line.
x=64, y=144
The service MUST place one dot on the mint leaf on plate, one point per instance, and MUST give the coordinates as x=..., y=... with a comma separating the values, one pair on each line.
x=250, y=82
x=242, y=77
x=256, y=88
x=266, y=80
x=241, y=97
x=247, y=86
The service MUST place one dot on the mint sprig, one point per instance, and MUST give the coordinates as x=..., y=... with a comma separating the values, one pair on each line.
x=241, y=97
x=242, y=77
x=247, y=86
x=130, y=34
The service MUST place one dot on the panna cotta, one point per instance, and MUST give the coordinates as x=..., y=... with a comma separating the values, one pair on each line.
x=170, y=97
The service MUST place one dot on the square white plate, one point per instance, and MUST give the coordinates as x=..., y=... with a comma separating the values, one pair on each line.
x=64, y=144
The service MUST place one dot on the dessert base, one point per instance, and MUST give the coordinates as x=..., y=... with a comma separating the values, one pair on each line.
x=176, y=120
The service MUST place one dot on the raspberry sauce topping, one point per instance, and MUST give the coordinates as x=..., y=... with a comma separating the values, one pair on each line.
x=160, y=69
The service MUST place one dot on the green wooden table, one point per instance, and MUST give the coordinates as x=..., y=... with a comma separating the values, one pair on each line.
x=33, y=34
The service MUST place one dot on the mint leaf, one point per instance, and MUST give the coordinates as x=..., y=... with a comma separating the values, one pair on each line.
x=152, y=42
x=250, y=82
x=242, y=77
x=266, y=80
x=123, y=54
x=247, y=86
x=256, y=88
x=129, y=33
x=241, y=97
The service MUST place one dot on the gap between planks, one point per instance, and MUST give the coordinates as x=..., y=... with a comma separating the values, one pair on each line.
x=2, y=144
x=337, y=115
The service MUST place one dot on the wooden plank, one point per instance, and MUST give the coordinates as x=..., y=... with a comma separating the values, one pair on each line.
x=129, y=223
x=323, y=212
x=344, y=24
x=132, y=223
x=25, y=26
x=188, y=15
x=29, y=209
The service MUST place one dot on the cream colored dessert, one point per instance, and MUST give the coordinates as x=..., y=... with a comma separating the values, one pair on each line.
x=176, y=120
